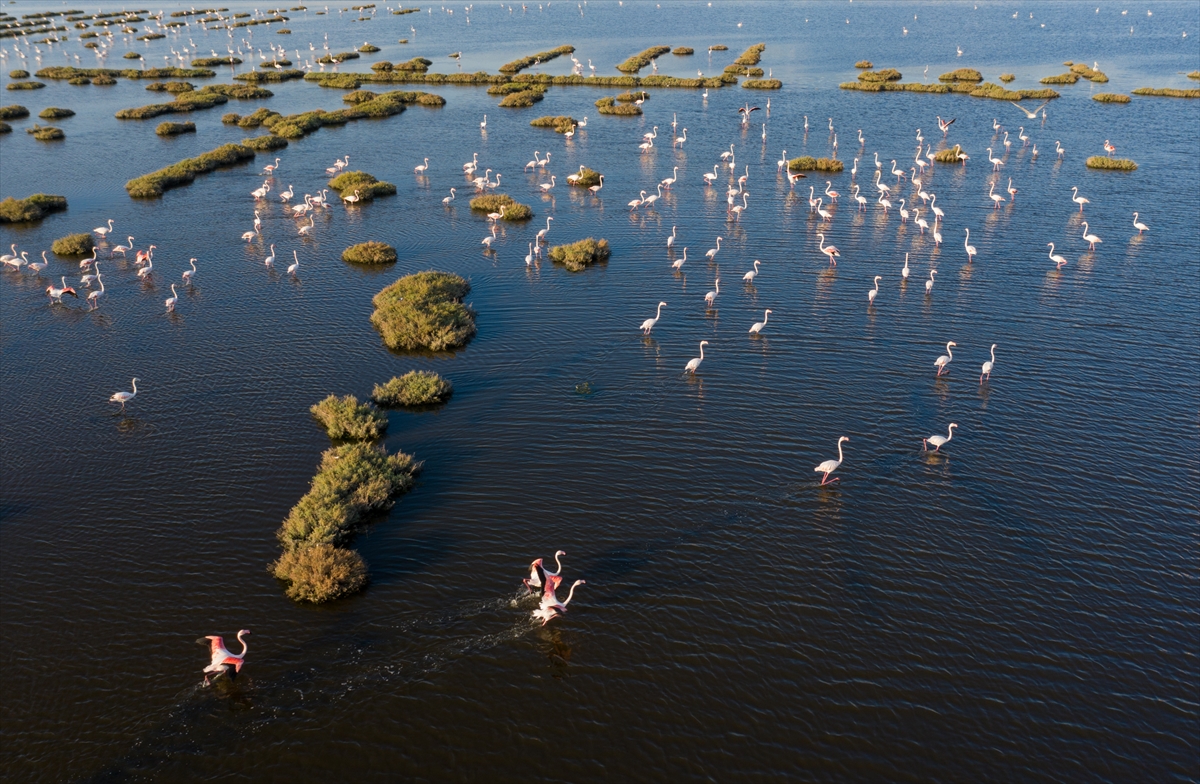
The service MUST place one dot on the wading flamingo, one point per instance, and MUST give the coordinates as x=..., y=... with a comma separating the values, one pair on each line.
x=694, y=364
x=757, y=327
x=970, y=248
x=873, y=292
x=649, y=323
x=1058, y=260
x=711, y=296
x=987, y=366
x=1136, y=224
x=171, y=300
x=124, y=397
x=945, y=359
x=1089, y=238
x=752, y=274
x=929, y=283
x=829, y=466
x=938, y=441
x=830, y=251
x=187, y=274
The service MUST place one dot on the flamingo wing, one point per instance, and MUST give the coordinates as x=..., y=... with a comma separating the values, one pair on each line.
x=215, y=644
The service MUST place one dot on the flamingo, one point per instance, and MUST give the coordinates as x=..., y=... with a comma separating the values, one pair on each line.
x=859, y=198
x=936, y=210
x=1059, y=148
x=422, y=168
x=483, y=125
x=725, y=155
x=1012, y=192
x=449, y=198
x=1108, y=148
x=833, y=195
x=738, y=209
x=898, y=173
x=712, y=252
x=756, y=328
x=752, y=274
x=187, y=274
x=671, y=239
x=124, y=397
x=488, y=242
x=270, y=168
x=550, y=607
x=538, y=574
x=546, y=186
x=903, y=212
x=270, y=260
x=470, y=167
x=873, y=292
x=9, y=256
x=171, y=300
x=304, y=230
x=86, y=280
x=1078, y=199
x=711, y=177
x=1022, y=136
x=996, y=162
x=531, y=165
x=1136, y=224
x=542, y=163
x=121, y=248
x=937, y=235
x=884, y=203
x=633, y=205
x=17, y=262
x=541, y=235
x=1089, y=238
x=987, y=366
x=970, y=248
x=56, y=294
x=995, y=197
x=711, y=296
x=649, y=323
x=143, y=256
x=694, y=364
x=94, y=297
x=352, y=199
x=38, y=266
x=221, y=658
x=258, y=221
x=938, y=441
x=289, y=193
x=921, y=222
x=495, y=216
x=928, y=283
x=669, y=181
x=945, y=359
x=249, y=236
x=812, y=199
x=1056, y=258
x=146, y=271
x=825, y=214
x=596, y=188
x=294, y=266
x=649, y=200
x=944, y=125
x=904, y=272
x=103, y=231
x=829, y=466
x=830, y=251
x=783, y=161
x=1007, y=143
x=882, y=188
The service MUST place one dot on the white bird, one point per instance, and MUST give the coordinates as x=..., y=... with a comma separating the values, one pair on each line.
x=529, y=256
x=904, y=272
x=38, y=266
x=871, y=294
x=546, y=186
x=945, y=359
x=449, y=198
x=422, y=168
x=752, y=274
x=829, y=466
x=124, y=397
x=103, y=231
x=649, y=323
x=1136, y=224
x=678, y=263
x=1090, y=238
x=1058, y=260
x=987, y=366
x=483, y=125
x=757, y=327
x=694, y=364
x=938, y=441
x=295, y=266
x=671, y=239
x=711, y=296
x=171, y=300
x=187, y=274
x=712, y=252
x=270, y=260
x=928, y=283
x=1075, y=197
x=970, y=248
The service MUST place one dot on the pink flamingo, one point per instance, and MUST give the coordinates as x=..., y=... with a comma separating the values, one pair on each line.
x=221, y=658
x=538, y=573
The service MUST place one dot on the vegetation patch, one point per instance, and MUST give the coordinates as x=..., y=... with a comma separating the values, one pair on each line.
x=962, y=75
x=189, y=101
x=18, y=74
x=718, y=48
x=269, y=76
x=561, y=123
x=1066, y=78
x=73, y=245
x=884, y=75
x=370, y=253
x=80, y=80
x=1167, y=92
x=175, y=128
x=808, y=163
x=751, y=56
x=345, y=419
x=132, y=56
x=1111, y=98
x=337, y=58
x=64, y=72
x=683, y=50
x=864, y=64
x=214, y=62
x=368, y=48
x=365, y=185
x=353, y=481
x=26, y=85
x=101, y=81
x=424, y=311
x=46, y=133
x=521, y=64
x=283, y=31
x=586, y=179
x=949, y=155
x=631, y=97
x=414, y=388
x=523, y=99
x=171, y=87
x=295, y=126
x=1090, y=74
x=610, y=106
x=5, y=127
x=1194, y=75
x=275, y=64
x=492, y=202
x=762, y=84
x=13, y=112
x=734, y=70
x=642, y=59
x=1007, y=77
x=55, y=113
x=266, y=143
x=31, y=208
x=359, y=96
x=1117, y=164
x=508, y=88
x=152, y=185
x=986, y=90
x=578, y=256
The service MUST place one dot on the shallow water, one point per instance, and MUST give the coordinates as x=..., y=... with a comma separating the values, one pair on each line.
x=1019, y=606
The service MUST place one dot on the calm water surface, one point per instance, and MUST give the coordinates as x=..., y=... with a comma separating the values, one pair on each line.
x=1019, y=607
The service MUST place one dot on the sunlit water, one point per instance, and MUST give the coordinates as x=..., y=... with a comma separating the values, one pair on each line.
x=1019, y=606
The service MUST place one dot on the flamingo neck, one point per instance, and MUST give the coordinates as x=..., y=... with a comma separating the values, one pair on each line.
x=245, y=647
x=570, y=594
x=839, y=452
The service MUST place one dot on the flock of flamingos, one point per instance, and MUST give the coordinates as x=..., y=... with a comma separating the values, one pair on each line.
x=541, y=579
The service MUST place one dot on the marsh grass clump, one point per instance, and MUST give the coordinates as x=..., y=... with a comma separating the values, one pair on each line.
x=5, y=127
x=339, y=81
x=175, y=128
x=31, y=208
x=1007, y=77
x=523, y=99
x=337, y=58
x=610, y=106
x=492, y=202
x=25, y=85
x=18, y=74
x=370, y=253
x=1111, y=98
x=13, y=112
x=642, y=59
x=46, y=133
x=949, y=155
x=103, y=80
x=884, y=75
x=521, y=64
x=345, y=419
x=265, y=143
x=961, y=75
x=1066, y=78
x=762, y=84
x=275, y=64
x=231, y=118
x=368, y=48
x=734, y=70
x=1194, y=75
x=414, y=388
x=55, y=113
x=152, y=185
x=1115, y=164
x=320, y=573
x=718, y=48
x=578, y=256
x=864, y=64
x=424, y=311
x=184, y=102
x=255, y=118
x=359, y=96
x=560, y=124
x=79, y=80
x=1167, y=92
x=803, y=163
x=508, y=88
x=269, y=76
x=73, y=245
x=283, y=31
x=586, y=179
x=1090, y=74
x=364, y=184
x=683, y=50
x=829, y=165
x=214, y=62
x=171, y=87
x=132, y=56
x=751, y=56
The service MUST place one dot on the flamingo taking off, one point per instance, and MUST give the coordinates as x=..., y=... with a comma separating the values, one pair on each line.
x=222, y=659
x=538, y=572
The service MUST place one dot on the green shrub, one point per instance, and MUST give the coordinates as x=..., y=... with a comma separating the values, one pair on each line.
x=5, y=127
x=1118, y=164
x=578, y=256
x=18, y=74
x=962, y=75
x=359, y=96
x=31, y=208
x=949, y=155
x=368, y=49
x=492, y=202
x=367, y=186
x=541, y=57
x=1167, y=92
x=257, y=118
x=344, y=418
x=864, y=64
x=1066, y=78
x=1007, y=77
x=610, y=106
x=370, y=253
x=26, y=85
x=1111, y=98
x=175, y=128
x=762, y=84
x=329, y=59
x=885, y=75
x=340, y=81
x=79, y=80
x=829, y=165
x=320, y=573
x=55, y=113
x=424, y=311
x=13, y=112
x=265, y=143
x=561, y=123
x=522, y=100
x=1089, y=73
x=414, y=388
x=587, y=178
x=231, y=118
x=132, y=56
x=269, y=76
x=46, y=133
x=733, y=71
x=213, y=62
x=683, y=50
x=103, y=81
x=752, y=55
x=630, y=97
x=803, y=163
x=153, y=185
x=73, y=245
x=171, y=87
x=642, y=59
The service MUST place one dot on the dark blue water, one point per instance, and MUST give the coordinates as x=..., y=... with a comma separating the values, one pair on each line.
x=1020, y=606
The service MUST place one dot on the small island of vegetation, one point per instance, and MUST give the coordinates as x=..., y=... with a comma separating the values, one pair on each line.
x=370, y=253
x=414, y=388
x=365, y=185
x=73, y=245
x=578, y=256
x=345, y=419
x=808, y=163
x=424, y=311
x=495, y=203
x=1111, y=98
x=1113, y=164
x=31, y=208
x=175, y=128
x=560, y=124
